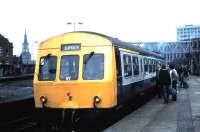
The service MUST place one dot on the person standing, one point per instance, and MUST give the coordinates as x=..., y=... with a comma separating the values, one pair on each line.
x=185, y=76
x=158, y=88
x=180, y=74
x=174, y=76
x=165, y=81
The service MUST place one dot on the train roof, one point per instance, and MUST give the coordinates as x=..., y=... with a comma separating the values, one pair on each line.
x=126, y=45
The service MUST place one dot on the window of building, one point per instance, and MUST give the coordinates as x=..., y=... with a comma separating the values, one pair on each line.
x=194, y=44
x=1, y=51
x=69, y=67
x=93, y=67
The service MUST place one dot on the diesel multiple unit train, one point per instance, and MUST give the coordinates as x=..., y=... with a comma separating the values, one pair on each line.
x=86, y=70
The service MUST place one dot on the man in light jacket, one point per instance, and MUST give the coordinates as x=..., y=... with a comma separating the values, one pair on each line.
x=174, y=76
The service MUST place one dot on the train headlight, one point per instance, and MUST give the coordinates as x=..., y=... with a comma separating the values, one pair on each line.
x=43, y=100
x=97, y=99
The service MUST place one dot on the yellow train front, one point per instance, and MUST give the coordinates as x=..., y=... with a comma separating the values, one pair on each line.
x=74, y=71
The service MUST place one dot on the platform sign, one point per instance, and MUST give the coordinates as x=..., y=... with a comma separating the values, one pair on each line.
x=70, y=47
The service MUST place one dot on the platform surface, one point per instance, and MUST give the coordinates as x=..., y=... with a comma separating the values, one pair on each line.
x=182, y=115
x=15, y=91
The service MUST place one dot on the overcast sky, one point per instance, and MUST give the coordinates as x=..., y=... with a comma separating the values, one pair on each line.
x=128, y=20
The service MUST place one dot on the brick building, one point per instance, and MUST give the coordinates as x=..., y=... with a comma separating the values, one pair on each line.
x=6, y=56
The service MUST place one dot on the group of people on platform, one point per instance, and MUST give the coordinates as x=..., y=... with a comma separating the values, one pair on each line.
x=167, y=80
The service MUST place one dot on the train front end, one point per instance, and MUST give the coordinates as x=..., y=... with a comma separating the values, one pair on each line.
x=75, y=71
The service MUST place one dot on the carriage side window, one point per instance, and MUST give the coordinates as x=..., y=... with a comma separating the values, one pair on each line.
x=93, y=67
x=154, y=65
x=146, y=65
x=141, y=66
x=69, y=67
x=150, y=65
x=135, y=65
x=47, y=68
x=127, y=65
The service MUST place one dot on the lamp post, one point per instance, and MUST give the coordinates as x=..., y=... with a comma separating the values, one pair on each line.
x=34, y=50
x=74, y=24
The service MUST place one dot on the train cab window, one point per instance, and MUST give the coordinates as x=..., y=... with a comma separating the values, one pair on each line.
x=93, y=67
x=69, y=67
x=47, y=68
x=135, y=65
x=127, y=65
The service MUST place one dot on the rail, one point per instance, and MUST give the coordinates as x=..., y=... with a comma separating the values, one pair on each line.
x=20, y=124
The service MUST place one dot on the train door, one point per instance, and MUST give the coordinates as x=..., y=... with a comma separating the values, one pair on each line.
x=119, y=75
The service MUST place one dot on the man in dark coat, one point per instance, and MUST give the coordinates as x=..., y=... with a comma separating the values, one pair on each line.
x=165, y=81
x=158, y=88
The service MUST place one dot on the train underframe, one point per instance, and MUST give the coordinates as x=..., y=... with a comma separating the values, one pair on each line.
x=70, y=119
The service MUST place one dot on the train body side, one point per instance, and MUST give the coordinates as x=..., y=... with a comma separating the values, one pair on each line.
x=142, y=76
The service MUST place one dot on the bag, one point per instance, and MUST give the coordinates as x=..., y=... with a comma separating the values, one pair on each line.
x=173, y=92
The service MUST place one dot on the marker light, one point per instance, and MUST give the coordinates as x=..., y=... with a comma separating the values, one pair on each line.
x=97, y=99
x=43, y=100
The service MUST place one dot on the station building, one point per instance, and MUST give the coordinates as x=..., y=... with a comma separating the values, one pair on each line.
x=187, y=32
x=6, y=56
x=195, y=56
x=173, y=52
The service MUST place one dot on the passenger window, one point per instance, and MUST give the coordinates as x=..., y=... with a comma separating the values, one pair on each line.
x=127, y=65
x=135, y=65
x=150, y=65
x=141, y=66
x=93, y=67
x=146, y=65
x=154, y=66
x=47, y=68
x=69, y=67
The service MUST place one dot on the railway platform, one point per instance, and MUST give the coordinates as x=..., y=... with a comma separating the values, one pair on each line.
x=12, y=90
x=182, y=115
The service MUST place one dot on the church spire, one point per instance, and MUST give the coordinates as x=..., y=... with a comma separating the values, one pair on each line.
x=25, y=43
x=26, y=56
x=25, y=37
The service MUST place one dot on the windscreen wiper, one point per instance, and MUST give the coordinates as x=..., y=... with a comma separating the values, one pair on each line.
x=42, y=61
x=89, y=57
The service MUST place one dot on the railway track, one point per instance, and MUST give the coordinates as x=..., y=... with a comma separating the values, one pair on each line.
x=22, y=124
x=29, y=122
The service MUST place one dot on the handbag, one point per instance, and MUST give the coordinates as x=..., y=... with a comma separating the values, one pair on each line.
x=172, y=91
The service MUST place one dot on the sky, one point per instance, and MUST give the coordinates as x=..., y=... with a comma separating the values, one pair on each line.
x=128, y=20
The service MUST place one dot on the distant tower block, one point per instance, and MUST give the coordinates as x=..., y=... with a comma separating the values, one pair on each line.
x=25, y=55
